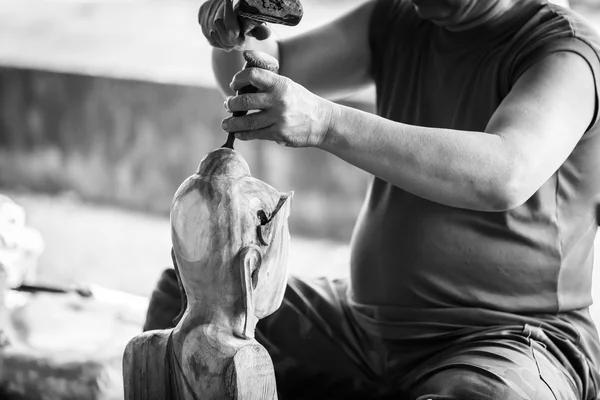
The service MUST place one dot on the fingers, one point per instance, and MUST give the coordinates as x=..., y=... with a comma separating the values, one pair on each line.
x=247, y=25
x=261, y=32
x=220, y=34
x=257, y=77
x=247, y=102
x=260, y=134
x=204, y=14
x=258, y=30
x=218, y=16
x=250, y=122
x=230, y=20
x=220, y=24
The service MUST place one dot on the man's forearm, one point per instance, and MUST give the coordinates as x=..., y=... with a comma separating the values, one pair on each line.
x=227, y=64
x=457, y=168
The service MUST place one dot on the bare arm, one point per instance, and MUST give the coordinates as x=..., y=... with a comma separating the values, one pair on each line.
x=529, y=136
x=331, y=61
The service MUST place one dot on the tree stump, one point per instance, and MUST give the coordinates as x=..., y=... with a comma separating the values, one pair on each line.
x=230, y=243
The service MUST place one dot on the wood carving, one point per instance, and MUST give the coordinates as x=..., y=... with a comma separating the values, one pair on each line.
x=230, y=243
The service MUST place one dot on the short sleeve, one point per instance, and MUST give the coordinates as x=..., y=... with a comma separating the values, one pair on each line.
x=584, y=44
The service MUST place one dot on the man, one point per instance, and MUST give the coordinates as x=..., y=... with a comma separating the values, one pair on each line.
x=472, y=256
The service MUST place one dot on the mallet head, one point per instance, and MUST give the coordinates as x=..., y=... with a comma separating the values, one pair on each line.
x=284, y=12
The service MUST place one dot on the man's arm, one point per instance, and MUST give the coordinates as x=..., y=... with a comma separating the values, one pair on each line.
x=331, y=61
x=529, y=136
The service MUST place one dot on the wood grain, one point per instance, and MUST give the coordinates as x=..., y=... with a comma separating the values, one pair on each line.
x=230, y=243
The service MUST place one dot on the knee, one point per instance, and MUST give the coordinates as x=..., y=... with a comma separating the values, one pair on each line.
x=475, y=383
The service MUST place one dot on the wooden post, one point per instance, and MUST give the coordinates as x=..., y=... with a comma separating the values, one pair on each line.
x=230, y=242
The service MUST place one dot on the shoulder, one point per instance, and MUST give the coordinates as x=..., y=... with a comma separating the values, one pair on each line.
x=392, y=26
x=551, y=29
x=392, y=18
x=150, y=338
x=250, y=374
x=557, y=42
x=571, y=21
x=393, y=5
x=390, y=11
x=552, y=23
x=146, y=345
x=143, y=366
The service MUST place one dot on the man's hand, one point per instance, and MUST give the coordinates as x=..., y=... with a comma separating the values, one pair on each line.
x=222, y=28
x=287, y=113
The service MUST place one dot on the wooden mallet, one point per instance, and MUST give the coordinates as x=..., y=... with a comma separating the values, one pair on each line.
x=283, y=12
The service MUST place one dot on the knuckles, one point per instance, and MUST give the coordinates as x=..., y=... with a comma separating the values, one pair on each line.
x=251, y=122
x=282, y=91
x=242, y=102
x=245, y=123
x=255, y=74
x=245, y=102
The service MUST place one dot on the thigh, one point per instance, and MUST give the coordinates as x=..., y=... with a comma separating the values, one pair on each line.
x=317, y=350
x=501, y=367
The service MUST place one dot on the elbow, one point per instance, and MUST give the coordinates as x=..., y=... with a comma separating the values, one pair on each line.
x=508, y=191
x=507, y=198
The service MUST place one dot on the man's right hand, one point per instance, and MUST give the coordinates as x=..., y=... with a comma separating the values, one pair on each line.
x=224, y=29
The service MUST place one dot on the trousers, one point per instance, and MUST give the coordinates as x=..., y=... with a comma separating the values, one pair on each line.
x=320, y=352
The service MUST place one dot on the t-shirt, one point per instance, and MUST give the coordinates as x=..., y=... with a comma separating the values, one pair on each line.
x=421, y=269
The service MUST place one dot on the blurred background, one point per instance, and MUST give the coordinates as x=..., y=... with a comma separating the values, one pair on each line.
x=106, y=106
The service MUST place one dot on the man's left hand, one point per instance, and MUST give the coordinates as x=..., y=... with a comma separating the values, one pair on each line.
x=287, y=113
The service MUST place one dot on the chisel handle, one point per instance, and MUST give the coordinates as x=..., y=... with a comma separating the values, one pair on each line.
x=254, y=59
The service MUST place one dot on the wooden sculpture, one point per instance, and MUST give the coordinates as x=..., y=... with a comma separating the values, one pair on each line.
x=230, y=244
